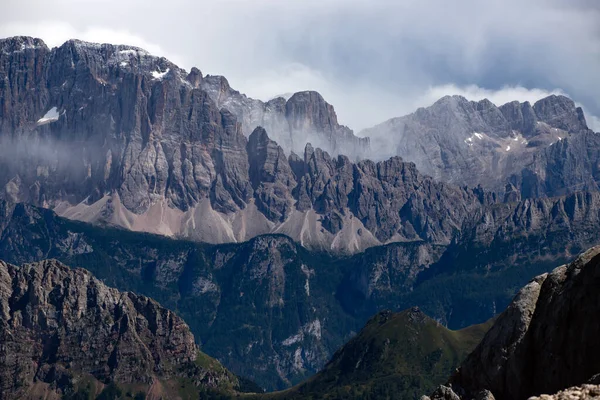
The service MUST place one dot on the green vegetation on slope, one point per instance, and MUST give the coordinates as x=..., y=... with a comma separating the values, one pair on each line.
x=246, y=303
x=396, y=355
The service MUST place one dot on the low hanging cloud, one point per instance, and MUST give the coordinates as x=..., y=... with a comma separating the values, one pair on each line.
x=372, y=59
x=55, y=33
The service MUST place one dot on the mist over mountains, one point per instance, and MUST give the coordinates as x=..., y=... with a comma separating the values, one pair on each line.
x=113, y=135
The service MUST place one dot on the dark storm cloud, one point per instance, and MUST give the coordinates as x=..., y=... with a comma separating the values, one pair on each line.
x=372, y=59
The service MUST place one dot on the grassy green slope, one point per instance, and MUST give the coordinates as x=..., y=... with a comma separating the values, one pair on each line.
x=234, y=319
x=396, y=356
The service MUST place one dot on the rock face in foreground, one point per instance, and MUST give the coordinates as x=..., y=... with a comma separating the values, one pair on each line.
x=584, y=392
x=546, y=341
x=59, y=326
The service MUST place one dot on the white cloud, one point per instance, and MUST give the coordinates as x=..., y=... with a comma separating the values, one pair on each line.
x=289, y=78
x=55, y=33
x=593, y=122
x=371, y=59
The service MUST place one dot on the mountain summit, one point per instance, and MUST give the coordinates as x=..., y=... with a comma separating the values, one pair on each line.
x=65, y=332
x=303, y=117
x=545, y=341
x=475, y=142
x=113, y=135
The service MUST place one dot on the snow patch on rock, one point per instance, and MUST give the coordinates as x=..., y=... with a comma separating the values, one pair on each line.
x=159, y=75
x=129, y=52
x=476, y=135
x=51, y=116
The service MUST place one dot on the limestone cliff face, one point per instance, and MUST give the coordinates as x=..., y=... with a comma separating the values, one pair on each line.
x=544, y=342
x=58, y=325
x=113, y=135
x=304, y=117
x=271, y=176
x=543, y=149
x=583, y=392
x=101, y=118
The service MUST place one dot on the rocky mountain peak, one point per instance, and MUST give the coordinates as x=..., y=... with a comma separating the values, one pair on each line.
x=271, y=176
x=20, y=44
x=258, y=136
x=521, y=356
x=59, y=325
x=476, y=142
x=521, y=116
x=101, y=59
x=195, y=77
x=450, y=101
x=390, y=354
x=560, y=112
x=220, y=90
x=304, y=117
x=416, y=316
x=267, y=160
x=309, y=150
x=308, y=110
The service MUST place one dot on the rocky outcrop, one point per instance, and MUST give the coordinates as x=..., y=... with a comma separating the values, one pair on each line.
x=59, y=325
x=271, y=176
x=568, y=165
x=584, y=392
x=544, y=342
x=468, y=143
x=303, y=117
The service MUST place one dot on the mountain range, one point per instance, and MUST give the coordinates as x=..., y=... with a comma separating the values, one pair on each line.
x=288, y=309
x=67, y=335
x=275, y=251
x=113, y=135
x=396, y=355
x=536, y=150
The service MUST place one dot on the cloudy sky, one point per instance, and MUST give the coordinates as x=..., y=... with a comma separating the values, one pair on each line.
x=372, y=59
